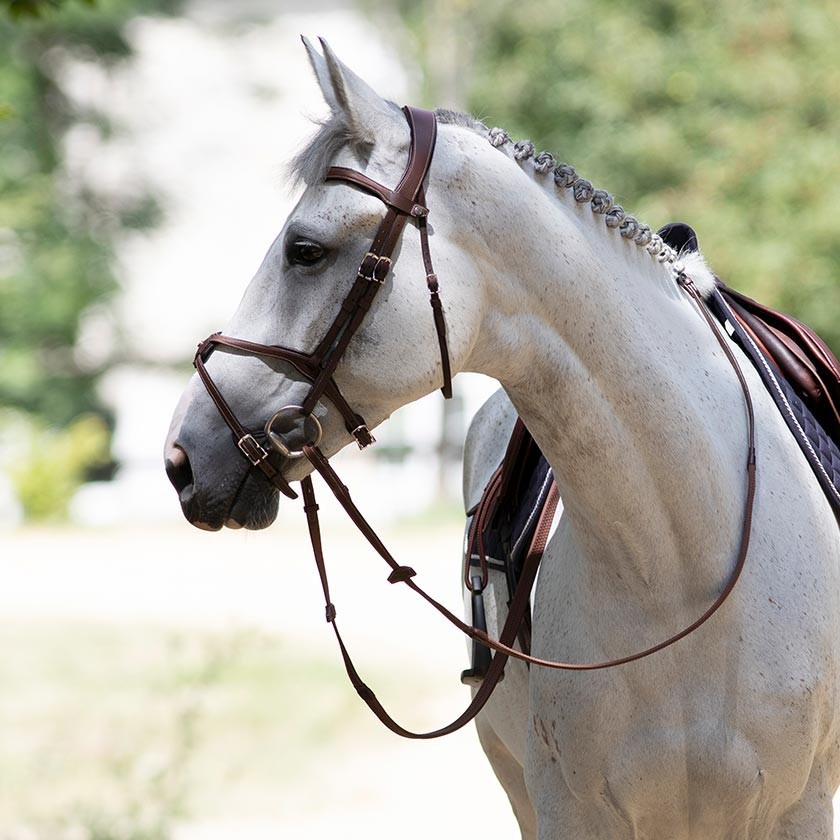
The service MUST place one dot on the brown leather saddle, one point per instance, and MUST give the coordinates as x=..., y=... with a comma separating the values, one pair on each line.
x=799, y=371
x=795, y=364
x=793, y=349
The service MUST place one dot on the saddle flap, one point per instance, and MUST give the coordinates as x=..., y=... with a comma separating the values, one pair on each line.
x=785, y=354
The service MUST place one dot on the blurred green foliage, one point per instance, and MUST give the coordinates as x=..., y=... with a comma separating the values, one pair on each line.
x=55, y=463
x=57, y=236
x=36, y=8
x=721, y=114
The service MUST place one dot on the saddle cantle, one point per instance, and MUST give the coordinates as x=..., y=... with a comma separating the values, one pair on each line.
x=799, y=371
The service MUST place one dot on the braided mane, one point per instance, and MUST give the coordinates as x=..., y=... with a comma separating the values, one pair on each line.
x=600, y=202
x=311, y=164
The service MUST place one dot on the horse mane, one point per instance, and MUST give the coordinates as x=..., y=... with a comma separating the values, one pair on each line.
x=333, y=134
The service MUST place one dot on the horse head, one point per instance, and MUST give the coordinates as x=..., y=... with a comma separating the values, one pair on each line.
x=392, y=358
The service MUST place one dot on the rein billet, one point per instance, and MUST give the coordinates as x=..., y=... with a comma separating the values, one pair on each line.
x=405, y=202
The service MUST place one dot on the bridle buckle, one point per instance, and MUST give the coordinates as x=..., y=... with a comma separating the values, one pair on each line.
x=252, y=449
x=372, y=267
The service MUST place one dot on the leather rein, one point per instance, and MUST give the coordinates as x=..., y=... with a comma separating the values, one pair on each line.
x=405, y=202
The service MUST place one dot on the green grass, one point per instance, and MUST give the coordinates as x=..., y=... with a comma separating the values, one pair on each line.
x=116, y=732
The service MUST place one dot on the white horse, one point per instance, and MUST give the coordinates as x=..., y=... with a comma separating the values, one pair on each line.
x=732, y=732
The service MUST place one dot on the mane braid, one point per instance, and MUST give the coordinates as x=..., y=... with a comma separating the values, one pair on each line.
x=310, y=166
x=600, y=201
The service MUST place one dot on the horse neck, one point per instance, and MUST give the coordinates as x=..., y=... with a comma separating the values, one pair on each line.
x=616, y=376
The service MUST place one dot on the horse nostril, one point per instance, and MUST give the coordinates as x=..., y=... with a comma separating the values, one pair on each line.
x=178, y=468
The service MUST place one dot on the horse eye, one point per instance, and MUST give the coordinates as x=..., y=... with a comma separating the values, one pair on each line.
x=305, y=252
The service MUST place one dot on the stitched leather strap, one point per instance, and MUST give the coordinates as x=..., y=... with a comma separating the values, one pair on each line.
x=392, y=198
x=404, y=574
x=504, y=645
x=300, y=361
x=250, y=444
x=406, y=201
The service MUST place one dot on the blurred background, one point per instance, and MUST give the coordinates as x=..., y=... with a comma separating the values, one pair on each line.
x=159, y=682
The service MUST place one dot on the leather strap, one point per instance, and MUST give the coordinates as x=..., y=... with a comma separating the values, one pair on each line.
x=403, y=574
x=392, y=198
x=300, y=361
x=504, y=645
x=475, y=541
x=250, y=444
x=406, y=201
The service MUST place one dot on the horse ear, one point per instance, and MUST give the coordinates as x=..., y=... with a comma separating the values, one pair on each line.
x=367, y=114
x=322, y=73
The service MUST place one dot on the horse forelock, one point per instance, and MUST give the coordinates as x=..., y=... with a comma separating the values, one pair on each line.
x=310, y=164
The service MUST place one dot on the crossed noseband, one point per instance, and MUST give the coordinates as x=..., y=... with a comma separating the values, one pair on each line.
x=406, y=201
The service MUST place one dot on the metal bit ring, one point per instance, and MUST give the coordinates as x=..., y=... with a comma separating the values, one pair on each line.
x=310, y=421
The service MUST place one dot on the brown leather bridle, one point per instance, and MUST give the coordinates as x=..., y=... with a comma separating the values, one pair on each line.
x=405, y=202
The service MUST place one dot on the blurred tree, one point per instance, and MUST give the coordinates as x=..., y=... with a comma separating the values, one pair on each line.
x=35, y=8
x=720, y=114
x=57, y=237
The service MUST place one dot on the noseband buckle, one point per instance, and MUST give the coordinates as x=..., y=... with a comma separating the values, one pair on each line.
x=293, y=426
x=252, y=449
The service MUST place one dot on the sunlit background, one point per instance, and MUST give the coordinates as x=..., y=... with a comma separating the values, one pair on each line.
x=160, y=682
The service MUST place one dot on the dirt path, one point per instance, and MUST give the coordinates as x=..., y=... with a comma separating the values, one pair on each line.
x=366, y=783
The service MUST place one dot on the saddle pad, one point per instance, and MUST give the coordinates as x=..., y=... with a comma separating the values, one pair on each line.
x=508, y=537
x=819, y=449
